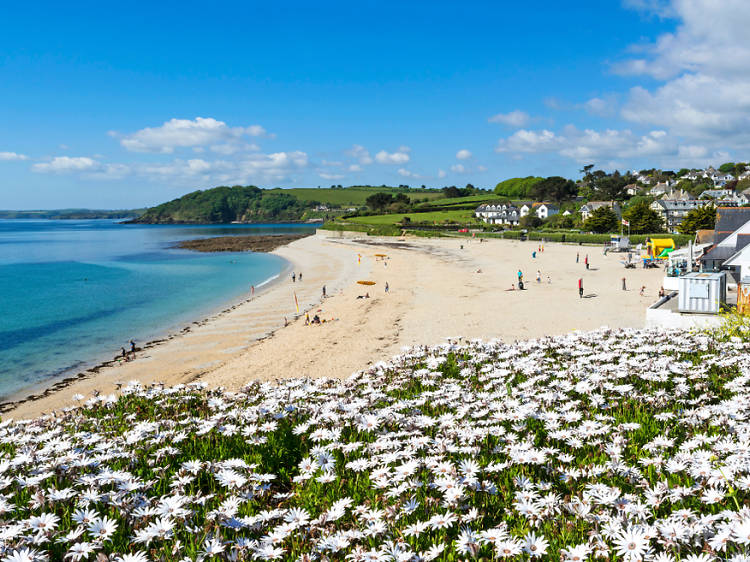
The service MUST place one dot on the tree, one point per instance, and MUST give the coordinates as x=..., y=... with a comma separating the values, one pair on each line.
x=602, y=220
x=700, y=218
x=642, y=218
x=727, y=168
x=554, y=188
x=379, y=201
x=530, y=221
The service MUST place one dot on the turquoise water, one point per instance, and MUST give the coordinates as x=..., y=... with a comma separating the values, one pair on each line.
x=72, y=293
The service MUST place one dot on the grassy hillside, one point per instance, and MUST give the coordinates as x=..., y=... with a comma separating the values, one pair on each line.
x=354, y=196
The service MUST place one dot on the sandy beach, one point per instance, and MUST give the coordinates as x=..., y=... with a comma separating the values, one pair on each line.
x=437, y=290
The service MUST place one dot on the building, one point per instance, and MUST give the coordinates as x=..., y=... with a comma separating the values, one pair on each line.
x=498, y=213
x=674, y=211
x=545, y=210
x=731, y=234
x=591, y=206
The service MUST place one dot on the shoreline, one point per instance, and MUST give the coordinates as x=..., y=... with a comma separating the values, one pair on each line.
x=439, y=289
x=66, y=377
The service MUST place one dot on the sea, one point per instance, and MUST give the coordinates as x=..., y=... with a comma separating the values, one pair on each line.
x=73, y=292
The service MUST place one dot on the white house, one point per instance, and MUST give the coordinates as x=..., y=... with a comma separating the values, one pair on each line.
x=740, y=260
x=498, y=213
x=524, y=208
x=546, y=210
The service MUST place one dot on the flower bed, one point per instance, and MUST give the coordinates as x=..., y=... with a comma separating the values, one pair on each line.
x=623, y=445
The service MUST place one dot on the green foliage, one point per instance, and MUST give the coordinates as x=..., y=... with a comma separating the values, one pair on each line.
x=606, y=187
x=227, y=204
x=379, y=201
x=602, y=220
x=531, y=221
x=742, y=185
x=517, y=187
x=727, y=168
x=642, y=218
x=700, y=218
x=554, y=188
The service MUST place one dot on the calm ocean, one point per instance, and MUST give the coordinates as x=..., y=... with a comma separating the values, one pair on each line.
x=73, y=292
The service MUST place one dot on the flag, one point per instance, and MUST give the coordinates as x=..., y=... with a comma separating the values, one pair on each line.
x=296, y=303
x=625, y=223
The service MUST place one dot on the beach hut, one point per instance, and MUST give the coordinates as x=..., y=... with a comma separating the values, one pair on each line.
x=703, y=293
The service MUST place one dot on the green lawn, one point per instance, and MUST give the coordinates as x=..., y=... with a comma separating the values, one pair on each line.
x=463, y=216
x=354, y=196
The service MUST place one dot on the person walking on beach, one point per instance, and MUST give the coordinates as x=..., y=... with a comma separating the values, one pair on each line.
x=520, y=276
x=586, y=261
x=300, y=277
x=324, y=291
x=386, y=286
x=538, y=276
x=624, y=287
x=580, y=287
x=643, y=288
x=294, y=277
x=252, y=289
x=533, y=255
x=577, y=256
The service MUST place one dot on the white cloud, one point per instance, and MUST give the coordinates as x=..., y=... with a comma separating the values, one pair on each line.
x=441, y=174
x=482, y=168
x=256, y=131
x=661, y=8
x=515, y=118
x=589, y=145
x=183, y=133
x=601, y=107
x=355, y=168
x=64, y=164
x=407, y=174
x=401, y=156
x=458, y=169
x=229, y=148
x=360, y=153
x=328, y=176
x=84, y=166
x=463, y=154
x=704, y=70
x=12, y=156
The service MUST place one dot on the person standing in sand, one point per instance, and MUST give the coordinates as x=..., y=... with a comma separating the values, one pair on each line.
x=300, y=276
x=538, y=275
x=586, y=261
x=577, y=256
x=386, y=287
x=324, y=291
x=580, y=287
x=252, y=289
x=624, y=287
x=294, y=277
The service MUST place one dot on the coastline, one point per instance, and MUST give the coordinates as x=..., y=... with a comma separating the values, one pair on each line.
x=439, y=288
x=89, y=369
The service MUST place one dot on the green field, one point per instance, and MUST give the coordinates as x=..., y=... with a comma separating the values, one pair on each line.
x=451, y=202
x=463, y=216
x=354, y=196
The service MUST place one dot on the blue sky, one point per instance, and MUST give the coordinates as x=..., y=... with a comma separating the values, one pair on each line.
x=124, y=106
